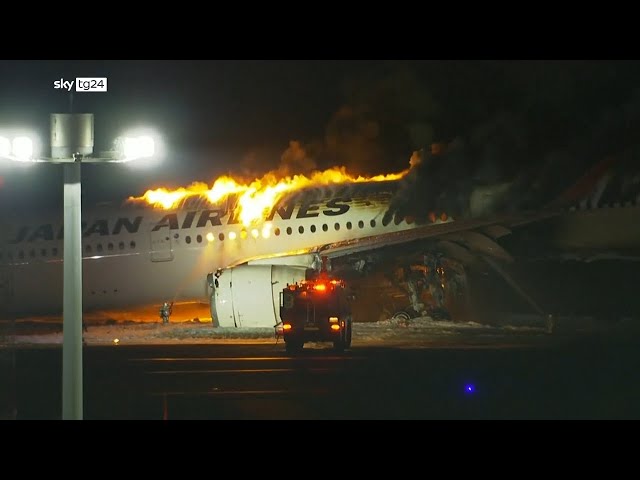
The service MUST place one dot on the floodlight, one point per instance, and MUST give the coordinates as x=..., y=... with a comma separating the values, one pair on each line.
x=22, y=148
x=137, y=147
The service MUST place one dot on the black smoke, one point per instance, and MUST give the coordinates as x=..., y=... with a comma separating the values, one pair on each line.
x=530, y=166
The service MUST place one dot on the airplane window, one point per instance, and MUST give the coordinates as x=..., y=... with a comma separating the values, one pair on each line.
x=121, y=245
x=313, y=229
x=337, y=226
x=43, y=252
x=188, y=239
x=300, y=229
x=88, y=249
x=385, y=221
x=32, y=253
x=199, y=238
x=132, y=244
x=99, y=247
x=373, y=223
x=349, y=225
x=360, y=224
x=221, y=236
x=325, y=227
x=277, y=232
x=110, y=246
x=289, y=230
x=176, y=235
x=397, y=219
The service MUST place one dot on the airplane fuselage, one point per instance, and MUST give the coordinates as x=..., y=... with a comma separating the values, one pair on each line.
x=144, y=255
x=138, y=255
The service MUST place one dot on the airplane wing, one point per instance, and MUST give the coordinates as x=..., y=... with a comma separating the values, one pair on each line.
x=475, y=234
x=460, y=239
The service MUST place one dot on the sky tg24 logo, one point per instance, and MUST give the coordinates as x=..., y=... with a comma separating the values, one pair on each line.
x=83, y=84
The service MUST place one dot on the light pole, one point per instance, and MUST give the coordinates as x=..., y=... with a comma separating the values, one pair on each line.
x=71, y=145
x=71, y=140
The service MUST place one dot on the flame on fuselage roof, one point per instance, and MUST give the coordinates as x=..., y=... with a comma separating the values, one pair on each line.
x=254, y=198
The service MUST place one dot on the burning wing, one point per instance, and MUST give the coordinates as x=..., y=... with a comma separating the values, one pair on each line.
x=474, y=235
x=462, y=239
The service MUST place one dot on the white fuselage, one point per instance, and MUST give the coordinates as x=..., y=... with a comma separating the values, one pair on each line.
x=144, y=255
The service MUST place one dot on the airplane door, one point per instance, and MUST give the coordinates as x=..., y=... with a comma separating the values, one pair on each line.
x=161, y=250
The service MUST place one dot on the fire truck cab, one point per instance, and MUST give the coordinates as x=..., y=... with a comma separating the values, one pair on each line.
x=316, y=310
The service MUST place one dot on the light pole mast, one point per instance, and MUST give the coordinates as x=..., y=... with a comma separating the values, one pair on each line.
x=71, y=139
x=72, y=291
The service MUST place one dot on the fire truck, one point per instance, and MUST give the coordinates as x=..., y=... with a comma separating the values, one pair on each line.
x=316, y=310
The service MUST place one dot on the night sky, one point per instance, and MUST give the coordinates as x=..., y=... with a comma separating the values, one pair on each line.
x=249, y=117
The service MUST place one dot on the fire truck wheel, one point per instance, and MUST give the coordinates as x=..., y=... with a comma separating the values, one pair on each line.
x=345, y=339
x=293, y=346
x=347, y=342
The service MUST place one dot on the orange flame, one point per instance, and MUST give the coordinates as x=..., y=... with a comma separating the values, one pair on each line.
x=257, y=197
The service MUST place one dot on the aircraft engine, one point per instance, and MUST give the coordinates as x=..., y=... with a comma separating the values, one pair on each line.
x=249, y=295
